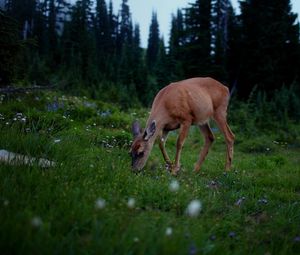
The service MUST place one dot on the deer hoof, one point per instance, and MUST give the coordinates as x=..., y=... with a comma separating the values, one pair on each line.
x=169, y=166
x=175, y=170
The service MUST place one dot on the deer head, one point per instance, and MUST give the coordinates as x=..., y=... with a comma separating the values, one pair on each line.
x=142, y=144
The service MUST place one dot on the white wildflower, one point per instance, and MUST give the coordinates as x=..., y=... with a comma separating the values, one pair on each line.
x=100, y=203
x=174, y=186
x=131, y=203
x=57, y=140
x=36, y=222
x=169, y=231
x=136, y=239
x=194, y=208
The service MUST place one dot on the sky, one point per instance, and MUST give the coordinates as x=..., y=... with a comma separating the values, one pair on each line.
x=141, y=11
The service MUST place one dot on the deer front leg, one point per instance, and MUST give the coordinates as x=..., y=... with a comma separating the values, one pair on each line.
x=162, y=143
x=180, y=141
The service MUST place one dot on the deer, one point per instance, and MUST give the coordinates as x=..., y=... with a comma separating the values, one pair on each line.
x=180, y=105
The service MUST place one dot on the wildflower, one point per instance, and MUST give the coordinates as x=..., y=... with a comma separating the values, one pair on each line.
x=131, y=203
x=297, y=239
x=136, y=239
x=6, y=203
x=232, y=234
x=193, y=250
x=263, y=201
x=100, y=203
x=194, y=208
x=174, y=186
x=92, y=166
x=36, y=222
x=57, y=140
x=169, y=231
x=213, y=237
x=240, y=201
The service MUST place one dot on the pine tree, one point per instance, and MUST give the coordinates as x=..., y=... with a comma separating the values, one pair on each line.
x=221, y=13
x=124, y=44
x=102, y=36
x=125, y=27
x=198, y=39
x=10, y=49
x=24, y=12
x=270, y=45
x=176, y=42
x=161, y=69
x=153, y=44
x=81, y=42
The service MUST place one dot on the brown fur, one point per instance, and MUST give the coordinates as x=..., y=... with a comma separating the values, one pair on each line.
x=180, y=105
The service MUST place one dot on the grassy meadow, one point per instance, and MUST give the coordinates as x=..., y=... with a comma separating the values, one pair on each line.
x=91, y=203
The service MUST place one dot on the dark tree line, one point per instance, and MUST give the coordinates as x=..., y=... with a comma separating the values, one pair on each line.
x=91, y=48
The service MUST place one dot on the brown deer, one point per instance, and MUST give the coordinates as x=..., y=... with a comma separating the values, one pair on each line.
x=180, y=105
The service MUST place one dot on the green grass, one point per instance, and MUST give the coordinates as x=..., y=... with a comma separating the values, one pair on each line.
x=254, y=209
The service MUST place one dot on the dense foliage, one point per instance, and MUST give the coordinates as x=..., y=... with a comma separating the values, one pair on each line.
x=90, y=48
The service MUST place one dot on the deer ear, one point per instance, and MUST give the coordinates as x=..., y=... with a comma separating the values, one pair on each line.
x=136, y=129
x=149, y=132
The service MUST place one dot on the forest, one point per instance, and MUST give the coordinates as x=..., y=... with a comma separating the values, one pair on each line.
x=93, y=48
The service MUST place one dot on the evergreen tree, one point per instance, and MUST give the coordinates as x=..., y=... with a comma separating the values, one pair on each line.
x=270, y=43
x=197, y=50
x=124, y=44
x=221, y=13
x=176, y=43
x=138, y=66
x=125, y=27
x=10, y=49
x=24, y=12
x=161, y=69
x=81, y=41
x=112, y=29
x=153, y=44
x=102, y=36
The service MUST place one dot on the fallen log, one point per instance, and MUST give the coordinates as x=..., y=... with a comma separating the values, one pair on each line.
x=12, y=158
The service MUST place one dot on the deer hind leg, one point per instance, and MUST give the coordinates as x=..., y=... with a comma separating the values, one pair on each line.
x=209, y=139
x=184, y=129
x=220, y=118
x=162, y=142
